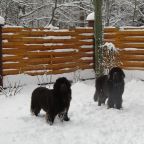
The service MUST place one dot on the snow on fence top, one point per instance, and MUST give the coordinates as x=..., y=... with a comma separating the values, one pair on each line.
x=2, y=21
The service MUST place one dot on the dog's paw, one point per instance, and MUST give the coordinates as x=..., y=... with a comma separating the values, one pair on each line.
x=66, y=118
x=48, y=119
x=50, y=123
x=61, y=116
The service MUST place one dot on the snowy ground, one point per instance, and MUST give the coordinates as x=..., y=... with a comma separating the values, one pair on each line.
x=89, y=123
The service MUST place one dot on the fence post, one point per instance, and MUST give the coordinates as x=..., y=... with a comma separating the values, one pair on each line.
x=1, y=70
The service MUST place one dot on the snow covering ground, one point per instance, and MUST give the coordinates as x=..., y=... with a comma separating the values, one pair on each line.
x=89, y=124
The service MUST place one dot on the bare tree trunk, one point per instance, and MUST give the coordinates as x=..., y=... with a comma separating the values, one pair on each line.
x=134, y=13
x=98, y=37
x=81, y=15
x=53, y=13
x=107, y=13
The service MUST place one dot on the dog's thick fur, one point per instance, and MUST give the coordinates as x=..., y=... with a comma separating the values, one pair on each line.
x=110, y=86
x=54, y=101
x=101, y=88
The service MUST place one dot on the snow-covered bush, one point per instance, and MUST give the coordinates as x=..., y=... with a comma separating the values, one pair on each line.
x=110, y=56
x=44, y=80
x=76, y=76
x=11, y=89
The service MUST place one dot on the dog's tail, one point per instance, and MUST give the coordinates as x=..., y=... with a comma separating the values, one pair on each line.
x=34, y=108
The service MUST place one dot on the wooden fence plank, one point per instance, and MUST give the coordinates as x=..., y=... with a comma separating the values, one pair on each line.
x=12, y=65
x=86, y=50
x=85, y=37
x=13, y=45
x=132, y=39
x=12, y=36
x=86, y=43
x=110, y=30
x=47, y=33
x=86, y=67
x=12, y=30
x=133, y=64
x=132, y=52
x=11, y=72
x=132, y=57
x=131, y=33
x=11, y=58
x=131, y=45
x=109, y=36
x=51, y=72
x=84, y=30
x=50, y=47
x=88, y=55
x=41, y=40
x=40, y=54
x=36, y=61
x=15, y=51
x=50, y=67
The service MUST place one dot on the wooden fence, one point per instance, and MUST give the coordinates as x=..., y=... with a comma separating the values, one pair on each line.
x=40, y=51
x=131, y=47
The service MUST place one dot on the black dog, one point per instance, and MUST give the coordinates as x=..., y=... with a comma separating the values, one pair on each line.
x=101, y=88
x=54, y=102
x=110, y=86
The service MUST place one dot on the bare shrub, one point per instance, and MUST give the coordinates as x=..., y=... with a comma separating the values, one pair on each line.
x=12, y=88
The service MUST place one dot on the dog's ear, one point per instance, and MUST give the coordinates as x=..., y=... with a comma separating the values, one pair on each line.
x=56, y=84
x=110, y=73
x=69, y=83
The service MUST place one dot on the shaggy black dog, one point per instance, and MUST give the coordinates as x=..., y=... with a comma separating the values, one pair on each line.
x=101, y=88
x=54, y=101
x=110, y=86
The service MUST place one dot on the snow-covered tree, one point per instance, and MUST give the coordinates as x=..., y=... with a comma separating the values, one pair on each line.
x=35, y=13
x=123, y=12
x=70, y=13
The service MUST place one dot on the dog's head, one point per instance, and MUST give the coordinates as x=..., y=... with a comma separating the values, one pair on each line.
x=62, y=85
x=116, y=74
